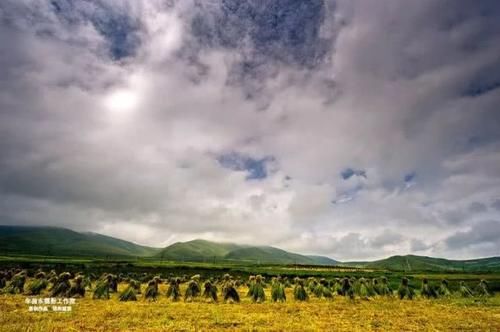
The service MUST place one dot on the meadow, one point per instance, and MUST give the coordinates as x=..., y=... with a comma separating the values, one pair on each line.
x=339, y=314
x=167, y=296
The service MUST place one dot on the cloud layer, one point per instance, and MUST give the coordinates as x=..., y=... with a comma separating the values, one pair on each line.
x=354, y=129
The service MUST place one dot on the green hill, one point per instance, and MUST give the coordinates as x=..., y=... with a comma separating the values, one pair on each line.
x=424, y=263
x=196, y=250
x=202, y=250
x=54, y=241
x=268, y=255
x=323, y=260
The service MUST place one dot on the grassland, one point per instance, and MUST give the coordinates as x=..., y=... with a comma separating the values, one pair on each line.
x=339, y=314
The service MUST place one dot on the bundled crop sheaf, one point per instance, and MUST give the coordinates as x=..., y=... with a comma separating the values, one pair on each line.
x=77, y=288
x=384, y=288
x=299, y=291
x=374, y=287
x=257, y=291
x=210, y=291
x=174, y=290
x=113, y=283
x=151, y=293
x=427, y=291
x=322, y=289
x=278, y=290
x=346, y=288
x=250, y=285
x=130, y=293
x=482, y=288
x=443, y=289
x=404, y=290
x=463, y=290
x=193, y=288
x=62, y=285
x=229, y=291
x=3, y=280
x=38, y=284
x=102, y=287
x=16, y=285
x=362, y=289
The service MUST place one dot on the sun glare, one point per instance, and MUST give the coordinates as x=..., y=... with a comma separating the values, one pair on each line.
x=121, y=101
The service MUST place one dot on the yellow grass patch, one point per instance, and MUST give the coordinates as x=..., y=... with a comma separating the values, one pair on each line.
x=315, y=315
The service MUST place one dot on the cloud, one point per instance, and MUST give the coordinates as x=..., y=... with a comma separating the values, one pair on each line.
x=485, y=234
x=348, y=128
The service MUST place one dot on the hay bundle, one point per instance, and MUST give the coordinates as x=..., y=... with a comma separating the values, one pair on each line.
x=77, y=288
x=250, y=285
x=151, y=292
x=299, y=291
x=113, y=283
x=322, y=289
x=346, y=288
x=482, y=288
x=363, y=289
x=374, y=287
x=137, y=285
x=427, y=291
x=384, y=288
x=337, y=287
x=464, y=290
x=16, y=285
x=87, y=281
x=173, y=290
x=278, y=290
x=257, y=291
x=404, y=290
x=311, y=284
x=38, y=284
x=229, y=291
x=62, y=286
x=129, y=293
x=210, y=291
x=193, y=288
x=102, y=287
x=3, y=281
x=443, y=289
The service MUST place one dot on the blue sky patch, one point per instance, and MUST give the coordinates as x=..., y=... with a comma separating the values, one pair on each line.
x=256, y=168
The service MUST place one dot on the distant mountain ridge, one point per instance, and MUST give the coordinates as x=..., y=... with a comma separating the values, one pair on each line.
x=55, y=241
x=424, y=263
x=202, y=250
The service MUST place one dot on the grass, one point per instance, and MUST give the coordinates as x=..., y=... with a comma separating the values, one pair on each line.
x=339, y=314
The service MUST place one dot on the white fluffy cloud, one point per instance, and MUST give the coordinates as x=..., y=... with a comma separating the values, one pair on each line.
x=355, y=129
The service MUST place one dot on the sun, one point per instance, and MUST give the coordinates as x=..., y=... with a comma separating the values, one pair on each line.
x=121, y=101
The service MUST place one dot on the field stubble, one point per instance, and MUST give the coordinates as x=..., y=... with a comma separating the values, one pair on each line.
x=340, y=314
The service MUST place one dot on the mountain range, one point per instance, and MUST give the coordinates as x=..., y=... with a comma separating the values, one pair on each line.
x=54, y=241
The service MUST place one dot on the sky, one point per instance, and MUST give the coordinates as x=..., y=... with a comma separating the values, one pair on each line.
x=355, y=129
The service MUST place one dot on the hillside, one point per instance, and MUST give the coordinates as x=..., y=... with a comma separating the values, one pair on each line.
x=323, y=260
x=268, y=255
x=196, y=250
x=424, y=263
x=54, y=241
x=202, y=250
